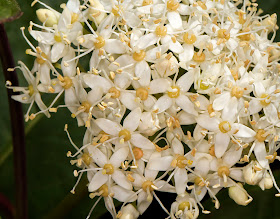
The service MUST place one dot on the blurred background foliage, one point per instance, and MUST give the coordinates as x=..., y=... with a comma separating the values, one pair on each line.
x=50, y=175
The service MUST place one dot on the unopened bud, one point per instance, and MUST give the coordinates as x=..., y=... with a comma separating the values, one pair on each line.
x=238, y=195
x=47, y=16
x=129, y=212
x=96, y=13
x=250, y=173
x=266, y=182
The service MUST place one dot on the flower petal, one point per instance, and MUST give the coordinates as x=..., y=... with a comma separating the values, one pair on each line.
x=221, y=144
x=108, y=126
x=97, y=181
x=119, y=156
x=132, y=120
x=141, y=142
x=119, y=177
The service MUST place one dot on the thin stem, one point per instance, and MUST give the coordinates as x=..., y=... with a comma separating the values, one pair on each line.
x=17, y=123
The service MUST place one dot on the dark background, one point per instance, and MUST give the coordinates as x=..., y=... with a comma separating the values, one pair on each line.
x=50, y=177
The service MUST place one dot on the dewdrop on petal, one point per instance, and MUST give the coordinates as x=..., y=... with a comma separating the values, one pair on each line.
x=47, y=16
x=129, y=212
x=237, y=194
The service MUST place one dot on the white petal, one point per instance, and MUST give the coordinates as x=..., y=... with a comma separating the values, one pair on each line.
x=260, y=153
x=244, y=131
x=128, y=100
x=132, y=120
x=185, y=104
x=114, y=46
x=177, y=146
x=221, y=101
x=186, y=118
x=147, y=40
x=160, y=163
x=232, y=156
x=159, y=85
x=121, y=179
x=57, y=51
x=99, y=158
x=211, y=124
x=271, y=113
x=221, y=144
x=175, y=20
x=119, y=156
x=202, y=166
x=187, y=54
x=123, y=195
x=181, y=180
x=230, y=110
x=143, y=71
x=97, y=81
x=254, y=106
x=141, y=142
x=108, y=126
x=97, y=181
x=186, y=81
x=163, y=103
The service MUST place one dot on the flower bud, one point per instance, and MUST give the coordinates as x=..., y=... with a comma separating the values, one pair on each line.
x=251, y=173
x=129, y=212
x=238, y=195
x=47, y=16
x=266, y=182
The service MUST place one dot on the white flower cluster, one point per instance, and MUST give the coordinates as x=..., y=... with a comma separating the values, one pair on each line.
x=177, y=96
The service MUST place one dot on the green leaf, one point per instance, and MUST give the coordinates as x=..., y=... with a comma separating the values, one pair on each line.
x=9, y=10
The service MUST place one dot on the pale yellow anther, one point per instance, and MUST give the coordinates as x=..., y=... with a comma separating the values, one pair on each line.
x=115, y=92
x=189, y=39
x=147, y=185
x=266, y=99
x=199, y=57
x=183, y=205
x=223, y=171
x=261, y=135
x=147, y=2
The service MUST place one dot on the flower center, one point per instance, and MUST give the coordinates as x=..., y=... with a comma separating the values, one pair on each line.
x=189, y=40
x=237, y=92
x=86, y=105
x=138, y=153
x=42, y=59
x=147, y=185
x=174, y=93
x=115, y=92
x=31, y=90
x=212, y=151
x=74, y=18
x=223, y=170
x=99, y=43
x=224, y=126
x=86, y=158
x=66, y=82
x=147, y=2
x=266, y=100
x=184, y=205
x=125, y=134
x=261, y=135
x=198, y=181
x=199, y=57
x=203, y=86
x=57, y=38
x=116, y=10
x=223, y=34
x=180, y=161
x=172, y=5
x=108, y=169
x=161, y=31
x=142, y=93
x=104, y=190
x=139, y=56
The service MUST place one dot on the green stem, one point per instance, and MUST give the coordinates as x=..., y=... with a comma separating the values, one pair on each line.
x=17, y=124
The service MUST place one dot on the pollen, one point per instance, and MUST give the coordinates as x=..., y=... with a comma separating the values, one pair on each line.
x=261, y=135
x=31, y=90
x=266, y=99
x=86, y=159
x=223, y=34
x=86, y=105
x=104, y=190
x=148, y=185
x=66, y=82
x=138, y=153
x=199, y=57
x=183, y=205
x=147, y=2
